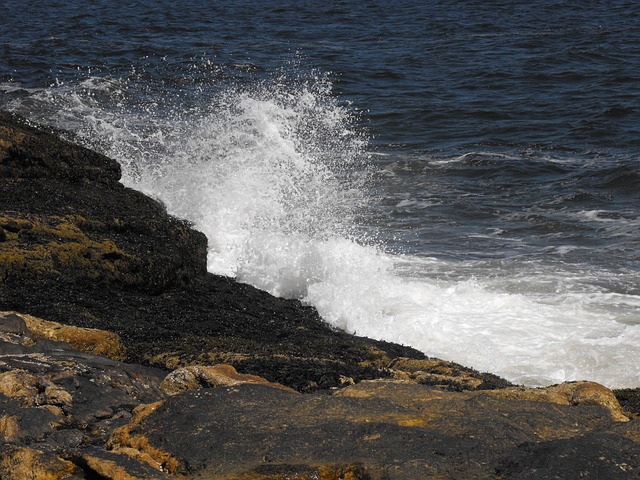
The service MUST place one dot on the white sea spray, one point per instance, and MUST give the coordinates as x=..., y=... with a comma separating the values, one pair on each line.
x=276, y=175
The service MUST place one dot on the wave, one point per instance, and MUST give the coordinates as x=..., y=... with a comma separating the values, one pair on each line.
x=277, y=174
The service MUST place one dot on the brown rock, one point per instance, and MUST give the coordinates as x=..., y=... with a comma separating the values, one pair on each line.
x=89, y=340
x=55, y=395
x=129, y=440
x=222, y=375
x=436, y=372
x=19, y=383
x=110, y=466
x=9, y=428
x=568, y=393
x=52, y=393
x=21, y=463
x=591, y=393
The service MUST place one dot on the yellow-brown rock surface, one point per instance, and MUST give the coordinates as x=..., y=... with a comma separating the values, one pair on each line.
x=88, y=340
x=377, y=430
x=221, y=375
x=22, y=463
x=569, y=393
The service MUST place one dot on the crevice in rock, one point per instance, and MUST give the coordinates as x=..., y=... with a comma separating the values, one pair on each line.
x=89, y=473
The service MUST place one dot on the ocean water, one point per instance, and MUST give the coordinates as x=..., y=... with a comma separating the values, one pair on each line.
x=462, y=177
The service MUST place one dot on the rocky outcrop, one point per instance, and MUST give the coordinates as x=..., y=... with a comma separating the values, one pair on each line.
x=66, y=216
x=23, y=462
x=63, y=388
x=58, y=404
x=132, y=362
x=69, y=414
x=88, y=340
x=197, y=376
x=569, y=393
x=375, y=430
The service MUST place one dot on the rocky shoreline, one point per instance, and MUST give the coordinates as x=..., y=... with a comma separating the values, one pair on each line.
x=122, y=357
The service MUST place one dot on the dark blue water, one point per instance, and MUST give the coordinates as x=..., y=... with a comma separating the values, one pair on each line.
x=460, y=176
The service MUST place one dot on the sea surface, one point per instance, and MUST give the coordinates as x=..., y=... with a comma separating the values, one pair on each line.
x=459, y=176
